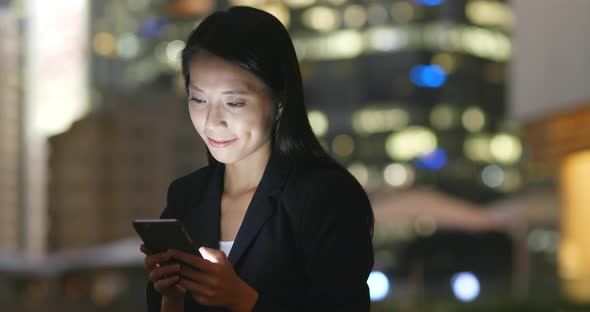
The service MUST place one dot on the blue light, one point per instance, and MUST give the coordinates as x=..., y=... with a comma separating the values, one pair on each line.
x=378, y=286
x=428, y=76
x=465, y=286
x=429, y=2
x=152, y=27
x=435, y=160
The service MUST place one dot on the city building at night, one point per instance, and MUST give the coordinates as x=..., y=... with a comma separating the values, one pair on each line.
x=115, y=166
x=10, y=132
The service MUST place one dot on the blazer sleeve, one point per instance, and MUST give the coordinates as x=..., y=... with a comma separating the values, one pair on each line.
x=338, y=250
x=336, y=240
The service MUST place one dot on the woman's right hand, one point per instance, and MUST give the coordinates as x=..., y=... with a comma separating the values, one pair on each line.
x=163, y=273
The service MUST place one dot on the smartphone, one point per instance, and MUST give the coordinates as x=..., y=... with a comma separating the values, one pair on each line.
x=159, y=235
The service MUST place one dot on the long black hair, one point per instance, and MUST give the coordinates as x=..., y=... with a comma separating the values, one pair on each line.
x=258, y=42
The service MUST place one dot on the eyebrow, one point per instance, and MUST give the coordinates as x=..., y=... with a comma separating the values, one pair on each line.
x=191, y=86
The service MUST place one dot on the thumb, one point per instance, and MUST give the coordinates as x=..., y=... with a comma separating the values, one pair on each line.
x=213, y=255
x=144, y=249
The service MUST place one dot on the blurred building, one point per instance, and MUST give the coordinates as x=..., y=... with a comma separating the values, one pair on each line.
x=550, y=94
x=412, y=92
x=114, y=166
x=10, y=131
x=403, y=92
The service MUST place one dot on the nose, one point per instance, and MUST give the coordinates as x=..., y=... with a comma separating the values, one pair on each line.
x=215, y=117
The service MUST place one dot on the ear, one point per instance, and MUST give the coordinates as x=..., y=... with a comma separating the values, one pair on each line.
x=279, y=111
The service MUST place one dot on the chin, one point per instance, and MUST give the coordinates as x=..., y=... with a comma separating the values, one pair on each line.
x=222, y=158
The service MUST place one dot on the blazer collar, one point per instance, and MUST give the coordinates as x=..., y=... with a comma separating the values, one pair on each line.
x=259, y=210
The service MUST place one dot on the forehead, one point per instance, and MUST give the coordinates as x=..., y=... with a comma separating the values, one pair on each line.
x=208, y=71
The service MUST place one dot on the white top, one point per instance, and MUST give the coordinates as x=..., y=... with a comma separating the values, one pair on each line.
x=226, y=246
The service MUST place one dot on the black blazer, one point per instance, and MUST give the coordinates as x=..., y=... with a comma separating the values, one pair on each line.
x=304, y=243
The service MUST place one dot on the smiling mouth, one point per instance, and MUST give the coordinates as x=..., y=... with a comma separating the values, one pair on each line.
x=220, y=143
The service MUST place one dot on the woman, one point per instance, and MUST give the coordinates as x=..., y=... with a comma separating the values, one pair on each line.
x=293, y=226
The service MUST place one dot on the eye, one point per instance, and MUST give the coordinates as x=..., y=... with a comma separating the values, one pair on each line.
x=235, y=104
x=197, y=100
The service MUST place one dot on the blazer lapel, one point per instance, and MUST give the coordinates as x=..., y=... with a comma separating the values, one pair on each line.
x=262, y=206
x=205, y=216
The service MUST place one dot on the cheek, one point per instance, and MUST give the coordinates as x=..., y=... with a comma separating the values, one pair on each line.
x=197, y=119
x=260, y=128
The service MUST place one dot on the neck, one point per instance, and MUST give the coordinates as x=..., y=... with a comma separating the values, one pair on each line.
x=244, y=175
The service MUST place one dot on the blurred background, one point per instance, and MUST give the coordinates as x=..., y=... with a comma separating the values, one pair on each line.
x=467, y=122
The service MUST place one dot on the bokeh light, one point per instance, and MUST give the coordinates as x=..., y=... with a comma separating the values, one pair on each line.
x=490, y=13
x=128, y=45
x=447, y=61
x=386, y=39
x=355, y=16
x=473, y=119
x=297, y=4
x=492, y=176
x=377, y=14
x=428, y=76
x=411, y=142
x=152, y=27
x=465, y=286
x=343, y=145
x=506, y=148
x=443, y=117
x=434, y=160
x=173, y=50
x=477, y=147
x=402, y=11
x=319, y=122
x=398, y=175
x=104, y=43
x=376, y=120
x=378, y=285
x=321, y=18
x=429, y=2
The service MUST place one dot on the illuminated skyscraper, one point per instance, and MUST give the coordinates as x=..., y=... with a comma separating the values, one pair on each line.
x=375, y=74
x=414, y=91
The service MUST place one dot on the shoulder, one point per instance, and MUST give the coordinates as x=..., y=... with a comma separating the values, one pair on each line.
x=322, y=174
x=323, y=185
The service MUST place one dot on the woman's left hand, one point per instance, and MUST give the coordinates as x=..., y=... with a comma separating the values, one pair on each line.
x=212, y=280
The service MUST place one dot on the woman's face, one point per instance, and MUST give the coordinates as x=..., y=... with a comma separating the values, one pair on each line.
x=230, y=108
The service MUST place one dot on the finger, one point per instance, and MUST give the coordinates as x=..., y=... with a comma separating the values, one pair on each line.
x=163, y=284
x=151, y=260
x=144, y=249
x=161, y=272
x=195, y=275
x=196, y=289
x=180, y=289
x=213, y=255
x=191, y=259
